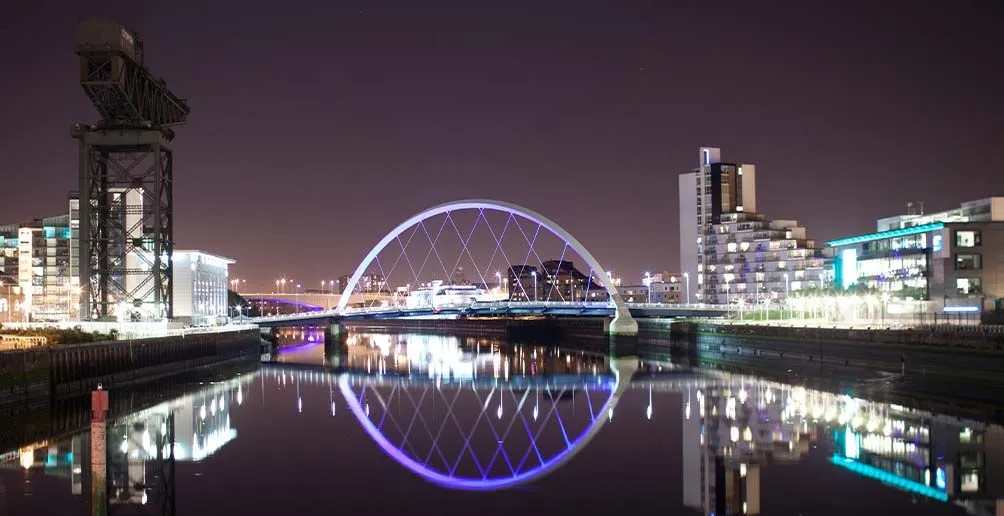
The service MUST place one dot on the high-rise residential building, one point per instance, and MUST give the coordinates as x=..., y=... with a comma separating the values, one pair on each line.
x=36, y=260
x=714, y=188
x=736, y=254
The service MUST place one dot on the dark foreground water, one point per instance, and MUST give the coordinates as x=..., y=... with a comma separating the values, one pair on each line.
x=394, y=424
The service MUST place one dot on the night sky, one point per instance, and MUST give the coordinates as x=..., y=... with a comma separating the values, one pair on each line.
x=318, y=126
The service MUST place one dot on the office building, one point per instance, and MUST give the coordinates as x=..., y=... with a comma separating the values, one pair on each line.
x=200, y=287
x=946, y=259
x=736, y=254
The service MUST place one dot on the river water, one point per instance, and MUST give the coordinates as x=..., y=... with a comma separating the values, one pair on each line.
x=395, y=424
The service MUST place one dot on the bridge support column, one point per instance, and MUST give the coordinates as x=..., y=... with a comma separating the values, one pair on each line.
x=622, y=323
x=335, y=331
x=336, y=349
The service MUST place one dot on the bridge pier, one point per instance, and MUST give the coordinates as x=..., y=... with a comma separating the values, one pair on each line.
x=336, y=349
x=621, y=324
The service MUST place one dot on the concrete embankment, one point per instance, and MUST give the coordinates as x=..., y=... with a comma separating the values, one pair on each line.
x=953, y=355
x=45, y=374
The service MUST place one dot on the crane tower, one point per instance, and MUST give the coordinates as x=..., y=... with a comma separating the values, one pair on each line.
x=126, y=169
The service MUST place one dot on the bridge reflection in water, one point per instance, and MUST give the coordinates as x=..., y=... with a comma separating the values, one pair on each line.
x=478, y=414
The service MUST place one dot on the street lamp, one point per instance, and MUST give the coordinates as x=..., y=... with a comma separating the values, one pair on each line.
x=648, y=283
x=75, y=291
x=534, y=274
x=728, y=301
x=686, y=276
x=787, y=303
x=10, y=305
x=297, y=297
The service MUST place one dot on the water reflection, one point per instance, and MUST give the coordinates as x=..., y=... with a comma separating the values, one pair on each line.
x=480, y=414
x=130, y=460
x=744, y=422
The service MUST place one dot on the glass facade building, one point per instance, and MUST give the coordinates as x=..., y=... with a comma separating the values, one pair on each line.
x=948, y=258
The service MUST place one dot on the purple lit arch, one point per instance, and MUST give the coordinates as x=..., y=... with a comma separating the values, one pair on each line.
x=622, y=322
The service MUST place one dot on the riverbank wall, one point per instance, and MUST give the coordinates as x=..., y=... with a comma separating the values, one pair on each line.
x=38, y=376
x=950, y=355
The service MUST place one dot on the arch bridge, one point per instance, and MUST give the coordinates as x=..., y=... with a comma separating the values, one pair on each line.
x=418, y=270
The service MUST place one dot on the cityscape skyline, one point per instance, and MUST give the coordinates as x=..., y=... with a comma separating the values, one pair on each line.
x=493, y=109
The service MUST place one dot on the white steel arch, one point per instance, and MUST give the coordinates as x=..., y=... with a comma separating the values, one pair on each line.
x=623, y=322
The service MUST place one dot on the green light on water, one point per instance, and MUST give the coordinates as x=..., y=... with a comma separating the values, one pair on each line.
x=889, y=479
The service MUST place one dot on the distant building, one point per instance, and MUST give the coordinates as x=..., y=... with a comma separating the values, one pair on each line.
x=523, y=282
x=563, y=282
x=39, y=260
x=368, y=284
x=634, y=293
x=35, y=258
x=948, y=258
x=734, y=253
x=200, y=287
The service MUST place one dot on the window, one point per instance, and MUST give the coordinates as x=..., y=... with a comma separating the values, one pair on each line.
x=968, y=286
x=968, y=238
x=965, y=262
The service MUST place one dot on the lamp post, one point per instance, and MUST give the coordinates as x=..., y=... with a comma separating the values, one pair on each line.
x=276, y=291
x=885, y=305
x=10, y=306
x=297, y=297
x=322, y=285
x=686, y=276
x=728, y=287
x=534, y=274
x=648, y=283
x=75, y=291
x=787, y=303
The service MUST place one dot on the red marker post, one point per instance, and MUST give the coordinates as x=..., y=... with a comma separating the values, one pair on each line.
x=99, y=412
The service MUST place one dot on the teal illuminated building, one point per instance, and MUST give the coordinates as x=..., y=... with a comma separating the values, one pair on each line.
x=37, y=259
x=945, y=261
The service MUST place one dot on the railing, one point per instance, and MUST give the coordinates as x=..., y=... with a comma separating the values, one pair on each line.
x=481, y=305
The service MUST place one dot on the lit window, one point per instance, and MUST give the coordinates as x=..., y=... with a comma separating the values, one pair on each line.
x=968, y=238
x=968, y=286
x=964, y=262
x=744, y=246
x=970, y=482
x=731, y=247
